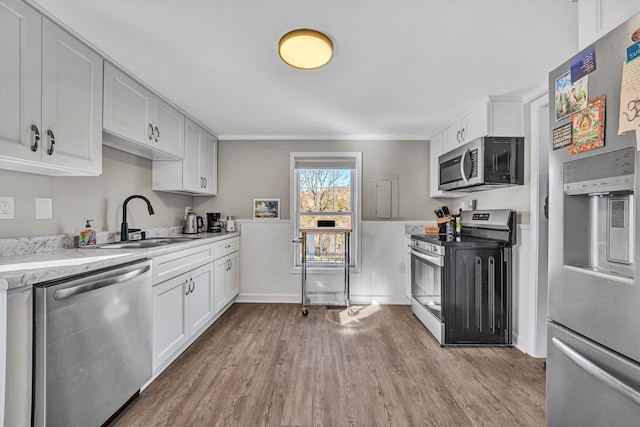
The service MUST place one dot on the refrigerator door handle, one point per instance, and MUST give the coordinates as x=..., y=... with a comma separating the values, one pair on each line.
x=600, y=373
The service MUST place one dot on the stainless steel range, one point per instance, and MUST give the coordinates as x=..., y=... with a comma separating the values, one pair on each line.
x=461, y=285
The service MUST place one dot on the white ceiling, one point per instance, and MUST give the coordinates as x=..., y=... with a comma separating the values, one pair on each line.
x=401, y=69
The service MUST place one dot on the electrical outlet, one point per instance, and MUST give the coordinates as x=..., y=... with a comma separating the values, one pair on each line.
x=6, y=207
x=401, y=267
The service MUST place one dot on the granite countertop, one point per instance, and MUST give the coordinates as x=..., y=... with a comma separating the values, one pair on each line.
x=28, y=269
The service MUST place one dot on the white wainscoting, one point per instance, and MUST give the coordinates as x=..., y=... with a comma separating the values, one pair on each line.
x=266, y=273
x=521, y=295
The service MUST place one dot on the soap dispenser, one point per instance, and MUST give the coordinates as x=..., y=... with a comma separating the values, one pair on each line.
x=87, y=236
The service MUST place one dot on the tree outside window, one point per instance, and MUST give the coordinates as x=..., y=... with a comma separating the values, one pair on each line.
x=325, y=194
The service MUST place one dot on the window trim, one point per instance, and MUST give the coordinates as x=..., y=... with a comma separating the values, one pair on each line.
x=356, y=195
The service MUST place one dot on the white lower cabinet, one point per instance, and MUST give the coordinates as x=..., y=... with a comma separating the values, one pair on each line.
x=227, y=271
x=227, y=283
x=182, y=305
x=190, y=288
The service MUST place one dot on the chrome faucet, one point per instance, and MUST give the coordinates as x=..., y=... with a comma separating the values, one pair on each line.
x=124, y=227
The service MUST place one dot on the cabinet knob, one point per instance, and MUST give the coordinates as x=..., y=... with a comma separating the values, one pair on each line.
x=35, y=141
x=52, y=142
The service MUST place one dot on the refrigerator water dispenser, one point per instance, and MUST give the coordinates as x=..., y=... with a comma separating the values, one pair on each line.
x=599, y=212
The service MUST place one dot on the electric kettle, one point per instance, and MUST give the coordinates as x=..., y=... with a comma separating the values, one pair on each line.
x=190, y=223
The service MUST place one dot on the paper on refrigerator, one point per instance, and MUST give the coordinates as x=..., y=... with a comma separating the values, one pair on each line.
x=629, y=119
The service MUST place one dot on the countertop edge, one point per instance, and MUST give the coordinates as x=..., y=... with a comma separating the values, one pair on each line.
x=28, y=270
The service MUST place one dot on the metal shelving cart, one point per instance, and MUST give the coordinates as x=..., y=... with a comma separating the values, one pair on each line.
x=325, y=248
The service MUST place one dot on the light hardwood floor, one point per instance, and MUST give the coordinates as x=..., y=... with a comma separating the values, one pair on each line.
x=266, y=364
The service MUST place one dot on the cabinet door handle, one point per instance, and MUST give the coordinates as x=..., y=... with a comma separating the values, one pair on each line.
x=35, y=141
x=150, y=132
x=157, y=133
x=205, y=182
x=458, y=136
x=188, y=288
x=52, y=142
x=193, y=285
x=462, y=135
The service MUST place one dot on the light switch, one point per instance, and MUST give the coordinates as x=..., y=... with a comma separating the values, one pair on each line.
x=44, y=208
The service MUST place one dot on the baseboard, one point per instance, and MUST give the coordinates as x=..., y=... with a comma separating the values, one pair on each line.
x=295, y=299
x=270, y=298
x=515, y=339
x=380, y=300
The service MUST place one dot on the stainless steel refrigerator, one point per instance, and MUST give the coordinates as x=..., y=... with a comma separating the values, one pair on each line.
x=593, y=344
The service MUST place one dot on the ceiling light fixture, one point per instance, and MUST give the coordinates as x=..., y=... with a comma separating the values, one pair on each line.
x=305, y=49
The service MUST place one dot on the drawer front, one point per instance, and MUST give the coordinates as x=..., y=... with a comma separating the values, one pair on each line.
x=176, y=263
x=226, y=247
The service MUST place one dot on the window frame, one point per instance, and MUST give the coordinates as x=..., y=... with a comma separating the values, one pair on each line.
x=356, y=202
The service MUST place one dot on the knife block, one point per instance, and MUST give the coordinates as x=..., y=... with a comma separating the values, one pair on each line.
x=442, y=224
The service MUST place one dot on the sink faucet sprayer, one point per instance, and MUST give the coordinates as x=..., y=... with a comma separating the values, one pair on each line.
x=124, y=228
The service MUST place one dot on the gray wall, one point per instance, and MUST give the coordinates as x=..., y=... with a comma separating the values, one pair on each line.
x=246, y=170
x=76, y=199
x=255, y=169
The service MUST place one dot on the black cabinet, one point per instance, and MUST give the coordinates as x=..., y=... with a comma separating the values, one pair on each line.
x=477, y=295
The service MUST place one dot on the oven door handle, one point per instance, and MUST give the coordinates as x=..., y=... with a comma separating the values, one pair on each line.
x=431, y=259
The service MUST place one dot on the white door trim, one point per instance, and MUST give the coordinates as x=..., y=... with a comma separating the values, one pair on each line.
x=535, y=209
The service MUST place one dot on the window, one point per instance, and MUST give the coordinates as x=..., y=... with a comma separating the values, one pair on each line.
x=326, y=186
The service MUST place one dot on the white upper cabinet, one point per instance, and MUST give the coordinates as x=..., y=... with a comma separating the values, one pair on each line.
x=51, y=97
x=196, y=173
x=71, y=102
x=170, y=122
x=20, y=84
x=138, y=121
x=496, y=116
x=598, y=17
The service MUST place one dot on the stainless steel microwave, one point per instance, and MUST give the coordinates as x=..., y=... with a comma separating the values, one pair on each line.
x=484, y=163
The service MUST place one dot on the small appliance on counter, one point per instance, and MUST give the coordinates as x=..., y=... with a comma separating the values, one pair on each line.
x=214, y=225
x=231, y=224
x=193, y=223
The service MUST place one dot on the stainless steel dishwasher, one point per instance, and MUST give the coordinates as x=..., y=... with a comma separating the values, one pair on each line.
x=92, y=344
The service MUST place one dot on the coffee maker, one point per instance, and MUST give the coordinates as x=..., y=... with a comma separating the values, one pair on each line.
x=213, y=222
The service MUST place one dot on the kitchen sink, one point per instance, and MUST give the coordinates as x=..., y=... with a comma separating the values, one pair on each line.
x=169, y=239
x=131, y=245
x=142, y=244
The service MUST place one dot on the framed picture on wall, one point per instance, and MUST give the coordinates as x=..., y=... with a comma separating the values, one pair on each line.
x=266, y=208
